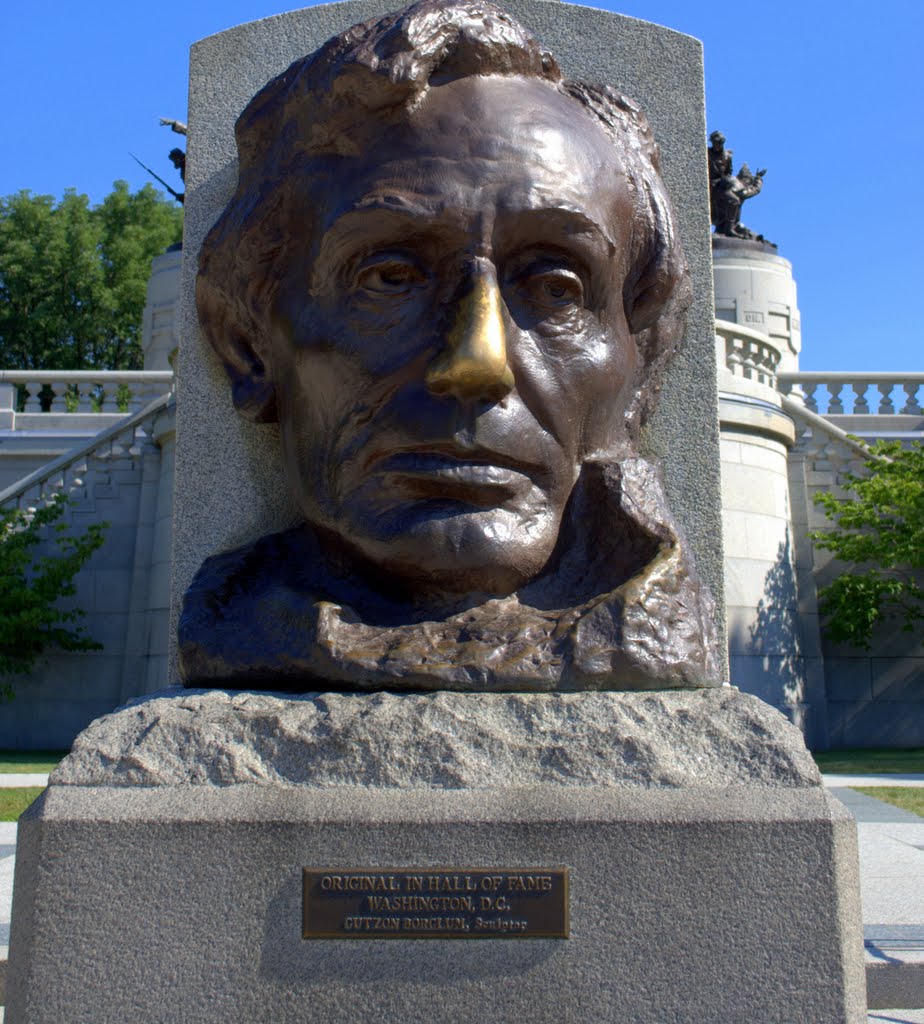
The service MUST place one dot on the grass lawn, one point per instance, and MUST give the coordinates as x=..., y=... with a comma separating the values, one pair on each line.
x=14, y=801
x=909, y=798
x=19, y=762
x=872, y=761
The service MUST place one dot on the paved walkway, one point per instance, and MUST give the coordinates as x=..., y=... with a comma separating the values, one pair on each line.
x=20, y=781
x=836, y=781
x=7, y=858
x=891, y=843
x=8, y=853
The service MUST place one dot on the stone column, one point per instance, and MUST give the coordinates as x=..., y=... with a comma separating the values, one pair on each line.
x=754, y=287
x=757, y=336
x=7, y=406
x=159, y=340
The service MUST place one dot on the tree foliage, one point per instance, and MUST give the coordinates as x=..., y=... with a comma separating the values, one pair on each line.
x=32, y=581
x=879, y=531
x=73, y=277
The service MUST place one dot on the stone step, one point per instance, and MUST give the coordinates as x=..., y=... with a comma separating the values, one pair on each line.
x=894, y=966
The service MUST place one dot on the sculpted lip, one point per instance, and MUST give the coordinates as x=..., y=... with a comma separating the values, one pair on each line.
x=451, y=472
x=438, y=457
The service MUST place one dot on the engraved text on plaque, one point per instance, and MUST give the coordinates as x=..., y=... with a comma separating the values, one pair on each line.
x=435, y=903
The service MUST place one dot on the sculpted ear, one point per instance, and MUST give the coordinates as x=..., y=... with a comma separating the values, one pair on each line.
x=230, y=328
x=253, y=388
x=645, y=298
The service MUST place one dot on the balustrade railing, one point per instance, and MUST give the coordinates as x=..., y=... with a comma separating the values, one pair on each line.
x=86, y=391
x=74, y=469
x=748, y=353
x=820, y=438
x=857, y=394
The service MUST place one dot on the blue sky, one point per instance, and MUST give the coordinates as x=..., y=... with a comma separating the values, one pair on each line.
x=827, y=95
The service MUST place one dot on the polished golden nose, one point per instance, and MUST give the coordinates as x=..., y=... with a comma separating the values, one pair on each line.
x=474, y=362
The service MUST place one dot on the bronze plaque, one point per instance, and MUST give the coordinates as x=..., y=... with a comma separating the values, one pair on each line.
x=435, y=903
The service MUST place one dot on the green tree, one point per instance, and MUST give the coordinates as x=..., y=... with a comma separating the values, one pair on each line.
x=73, y=277
x=879, y=531
x=32, y=581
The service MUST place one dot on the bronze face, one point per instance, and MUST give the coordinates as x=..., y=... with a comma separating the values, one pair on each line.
x=452, y=346
x=453, y=277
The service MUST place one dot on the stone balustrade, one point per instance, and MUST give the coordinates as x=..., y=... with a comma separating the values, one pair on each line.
x=857, y=394
x=77, y=468
x=84, y=391
x=829, y=456
x=748, y=353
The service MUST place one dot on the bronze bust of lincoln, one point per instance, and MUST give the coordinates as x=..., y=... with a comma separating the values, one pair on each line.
x=453, y=277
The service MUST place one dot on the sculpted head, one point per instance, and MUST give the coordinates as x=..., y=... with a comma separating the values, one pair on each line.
x=453, y=277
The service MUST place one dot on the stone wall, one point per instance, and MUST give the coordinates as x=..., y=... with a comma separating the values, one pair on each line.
x=874, y=698
x=65, y=692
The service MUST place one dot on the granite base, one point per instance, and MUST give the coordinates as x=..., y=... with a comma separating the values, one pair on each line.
x=689, y=903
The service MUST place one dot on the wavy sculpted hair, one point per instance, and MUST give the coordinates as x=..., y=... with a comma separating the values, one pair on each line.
x=335, y=103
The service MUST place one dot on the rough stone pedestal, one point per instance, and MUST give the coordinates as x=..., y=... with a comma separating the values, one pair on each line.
x=712, y=879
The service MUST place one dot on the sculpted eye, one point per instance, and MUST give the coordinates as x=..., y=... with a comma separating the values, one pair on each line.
x=389, y=276
x=551, y=288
